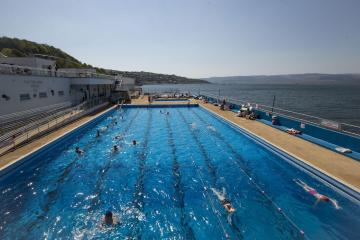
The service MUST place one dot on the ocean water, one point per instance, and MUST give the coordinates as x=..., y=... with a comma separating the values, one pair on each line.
x=161, y=187
x=329, y=100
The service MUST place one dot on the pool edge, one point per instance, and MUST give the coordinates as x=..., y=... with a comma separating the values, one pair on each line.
x=346, y=188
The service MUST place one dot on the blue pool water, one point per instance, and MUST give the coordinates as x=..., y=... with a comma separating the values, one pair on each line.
x=160, y=188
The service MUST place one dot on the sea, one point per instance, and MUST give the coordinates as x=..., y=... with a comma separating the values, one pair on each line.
x=334, y=101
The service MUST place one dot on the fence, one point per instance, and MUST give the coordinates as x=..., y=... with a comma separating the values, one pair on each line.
x=22, y=70
x=326, y=123
x=25, y=133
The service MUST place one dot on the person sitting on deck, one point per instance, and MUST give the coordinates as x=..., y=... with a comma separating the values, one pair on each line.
x=79, y=151
x=223, y=200
x=293, y=131
x=109, y=219
x=319, y=197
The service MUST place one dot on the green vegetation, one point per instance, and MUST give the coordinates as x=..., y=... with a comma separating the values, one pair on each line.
x=143, y=78
x=14, y=47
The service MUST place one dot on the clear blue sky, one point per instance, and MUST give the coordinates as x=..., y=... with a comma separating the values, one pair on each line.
x=195, y=38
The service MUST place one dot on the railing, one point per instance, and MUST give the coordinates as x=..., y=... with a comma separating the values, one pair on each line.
x=29, y=71
x=11, y=139
x=333, y=125
x=4, y=119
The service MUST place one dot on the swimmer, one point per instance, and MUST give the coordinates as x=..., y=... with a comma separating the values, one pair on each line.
x=109, y=219
x=224, y=201
x=134, y=142
x=118, y=137
x=319, y=197
x=79, y=151
x=103, y=129
x=115, y=148
x=193, y=125
x=211, y=127
x=97, y=133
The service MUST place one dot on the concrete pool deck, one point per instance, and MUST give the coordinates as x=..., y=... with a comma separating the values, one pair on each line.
x=344, y=169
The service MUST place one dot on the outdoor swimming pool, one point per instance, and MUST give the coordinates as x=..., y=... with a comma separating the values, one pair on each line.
x=160, y=188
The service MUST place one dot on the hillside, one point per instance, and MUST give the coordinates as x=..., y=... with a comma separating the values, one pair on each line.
x=143, y=78
x=13, y=47
x=305, y=78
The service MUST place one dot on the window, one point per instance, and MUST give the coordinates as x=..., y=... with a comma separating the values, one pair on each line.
x=42, y=95
x=61, y=93
x=24, y=97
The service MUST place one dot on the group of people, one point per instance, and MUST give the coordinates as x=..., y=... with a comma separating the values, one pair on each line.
x=226, y=203
x=115, y=147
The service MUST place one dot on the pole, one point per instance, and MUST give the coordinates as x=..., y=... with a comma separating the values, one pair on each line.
x=273, y=104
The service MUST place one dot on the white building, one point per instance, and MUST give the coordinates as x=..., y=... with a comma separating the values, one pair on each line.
x=29, y=83
x=33, y=62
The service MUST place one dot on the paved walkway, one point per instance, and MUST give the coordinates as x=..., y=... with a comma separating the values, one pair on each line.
x=14, y=156
x=340, y=167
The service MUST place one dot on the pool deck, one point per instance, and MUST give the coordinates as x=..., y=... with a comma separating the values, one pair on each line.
x=344, y=169
x=38, y=143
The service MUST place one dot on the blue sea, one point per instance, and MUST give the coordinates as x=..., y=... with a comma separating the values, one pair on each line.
x=336, y=101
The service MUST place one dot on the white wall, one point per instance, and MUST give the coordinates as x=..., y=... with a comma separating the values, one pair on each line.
x=14, y=85
x=29, y=62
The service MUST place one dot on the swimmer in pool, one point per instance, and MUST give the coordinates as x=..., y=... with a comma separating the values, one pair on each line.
x=211, y=127
x=115, y=148
x=319, y=197
x=118, y=137
x=79, y=151
x=97, y=133
x=134, y=142
x=193, y=125
x=109, y=219
x=224, y=201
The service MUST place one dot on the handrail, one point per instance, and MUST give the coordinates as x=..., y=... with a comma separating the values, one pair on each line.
x=23, y=70
x=9, y=138
x=302, y=117
x=26, y=113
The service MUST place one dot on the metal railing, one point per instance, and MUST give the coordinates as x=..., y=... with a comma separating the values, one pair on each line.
x=302, y=117
x=13, y=138
x=4, y=119
x=30, y=71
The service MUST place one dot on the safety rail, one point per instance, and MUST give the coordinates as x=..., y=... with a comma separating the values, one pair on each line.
x=11, y=139
x=302, y=117
x=30, y=71
x=11, y=116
